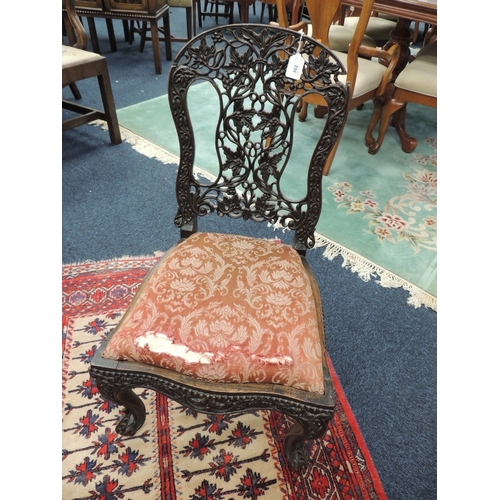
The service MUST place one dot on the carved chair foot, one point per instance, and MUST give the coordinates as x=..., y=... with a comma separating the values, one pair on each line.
x=135, y=413
x=295, y=449
x=128, y=425
x=374, y=147
x=320, y=111
x=303, y=112
x=408, y=144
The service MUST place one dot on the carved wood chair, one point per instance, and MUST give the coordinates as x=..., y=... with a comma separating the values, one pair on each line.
x=227, y=323
x=79, y=64
x=367, y=79
x=417, y=83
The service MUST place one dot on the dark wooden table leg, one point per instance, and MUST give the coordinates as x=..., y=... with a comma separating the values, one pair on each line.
x=243, y=8
x=400, y=34
x=111, y=35
x=93, y=35
x=155, y=38
x=167, y=35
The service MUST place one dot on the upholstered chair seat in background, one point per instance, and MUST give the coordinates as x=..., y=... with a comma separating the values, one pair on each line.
x=340, y=37
x=378, y=27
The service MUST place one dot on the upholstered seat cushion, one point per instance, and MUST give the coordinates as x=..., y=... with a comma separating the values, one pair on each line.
x=75, y=57
x=369, y=76
x=226, y=308
x=421, y=74
x=378, y=28
x=428, y=50
x=339, y=37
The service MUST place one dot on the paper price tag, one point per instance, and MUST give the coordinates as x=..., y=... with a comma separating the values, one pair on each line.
x=295, y=66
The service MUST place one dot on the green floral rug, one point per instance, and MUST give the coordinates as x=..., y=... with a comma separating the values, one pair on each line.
x=379, y=212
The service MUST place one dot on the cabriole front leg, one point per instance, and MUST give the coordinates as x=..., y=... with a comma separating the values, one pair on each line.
x=135, y=411
x=294, y=445
x=300, y=432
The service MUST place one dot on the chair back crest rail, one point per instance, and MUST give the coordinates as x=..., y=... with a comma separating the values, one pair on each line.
x=246, y=66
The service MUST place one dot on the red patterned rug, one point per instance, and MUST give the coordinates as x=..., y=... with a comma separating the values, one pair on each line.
x=179, y=454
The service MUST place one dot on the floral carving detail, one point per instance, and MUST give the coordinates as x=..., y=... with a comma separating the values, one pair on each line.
x=410, y=217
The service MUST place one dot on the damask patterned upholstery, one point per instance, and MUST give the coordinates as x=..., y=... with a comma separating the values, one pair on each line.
x=226, y=308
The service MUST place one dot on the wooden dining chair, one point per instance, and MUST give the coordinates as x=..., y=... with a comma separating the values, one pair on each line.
x=271, y=9
x=227, y=323
x=216, y=9
x=79, y=64
x=366, y=78
x=143, y=28
x=137, y=16
x=417, y=83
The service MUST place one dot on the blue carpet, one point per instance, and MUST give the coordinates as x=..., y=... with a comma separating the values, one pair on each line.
x=117, y=202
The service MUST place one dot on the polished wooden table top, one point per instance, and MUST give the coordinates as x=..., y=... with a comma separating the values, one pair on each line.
x=424, y=11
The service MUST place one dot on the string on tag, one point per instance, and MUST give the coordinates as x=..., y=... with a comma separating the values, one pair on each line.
x=299, y=45
x=295, y=63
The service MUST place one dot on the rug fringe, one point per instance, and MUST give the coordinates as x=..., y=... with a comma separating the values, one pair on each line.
x=144, y=146
x=367, y=269
x=358, y=264
x=156, y=254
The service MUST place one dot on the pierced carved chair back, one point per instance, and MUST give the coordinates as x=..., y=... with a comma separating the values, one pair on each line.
x=246, y=67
